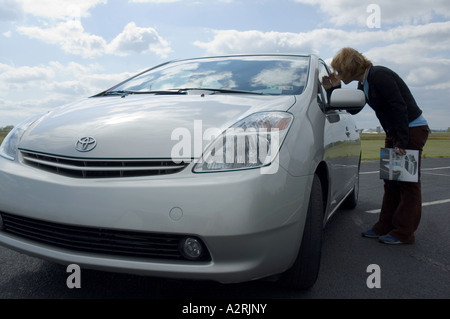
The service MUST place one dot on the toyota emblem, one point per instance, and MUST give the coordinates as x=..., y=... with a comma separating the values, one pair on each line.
x=86, y=144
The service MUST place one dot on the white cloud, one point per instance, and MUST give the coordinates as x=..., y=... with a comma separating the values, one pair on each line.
x=254, y=41
x=134, y=39
x=51, y=79
x=11, y=77
x=355, y=12
x=70, y=35
x=429, y=37
x=73, y=39
x=59, y=9
x=64, y=28
x=49, y=86
x=409, y=48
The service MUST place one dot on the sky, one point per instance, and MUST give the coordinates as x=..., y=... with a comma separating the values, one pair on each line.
x=53, y=52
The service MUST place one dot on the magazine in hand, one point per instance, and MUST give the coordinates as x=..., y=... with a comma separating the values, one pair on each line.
x=404, y=168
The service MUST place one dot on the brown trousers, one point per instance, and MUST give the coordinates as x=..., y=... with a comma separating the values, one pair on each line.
x=401, y=209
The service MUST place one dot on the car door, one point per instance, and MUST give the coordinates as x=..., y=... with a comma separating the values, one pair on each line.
x=352, y=150
x=341, y=147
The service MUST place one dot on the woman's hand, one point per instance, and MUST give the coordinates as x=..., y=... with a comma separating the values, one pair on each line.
x=399, y=151
x=330, y=81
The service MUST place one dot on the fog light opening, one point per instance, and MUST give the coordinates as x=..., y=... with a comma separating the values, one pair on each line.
x=191, y=248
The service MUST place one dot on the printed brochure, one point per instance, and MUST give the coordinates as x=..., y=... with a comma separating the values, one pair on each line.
x=396, y=167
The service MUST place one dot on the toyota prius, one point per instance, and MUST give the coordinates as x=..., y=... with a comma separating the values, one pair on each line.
x=216, y=168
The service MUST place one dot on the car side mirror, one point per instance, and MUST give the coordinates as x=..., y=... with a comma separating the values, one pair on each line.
x=347, y=99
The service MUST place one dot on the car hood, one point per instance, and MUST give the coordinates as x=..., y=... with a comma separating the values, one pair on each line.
x=142, y=126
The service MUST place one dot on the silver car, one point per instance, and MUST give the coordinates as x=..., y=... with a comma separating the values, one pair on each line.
x=220, y=168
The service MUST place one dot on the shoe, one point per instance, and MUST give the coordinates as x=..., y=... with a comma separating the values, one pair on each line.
x=388, y=239
x=370, y=234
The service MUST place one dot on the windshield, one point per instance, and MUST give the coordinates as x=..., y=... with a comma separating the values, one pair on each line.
x=277, y=75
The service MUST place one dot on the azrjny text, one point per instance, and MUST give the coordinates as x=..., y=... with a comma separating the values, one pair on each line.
x=237, y=308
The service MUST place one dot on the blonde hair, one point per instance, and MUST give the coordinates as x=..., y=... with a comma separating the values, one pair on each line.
x=350, y=62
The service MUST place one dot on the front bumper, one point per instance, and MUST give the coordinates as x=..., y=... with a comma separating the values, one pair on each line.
x=251, y=223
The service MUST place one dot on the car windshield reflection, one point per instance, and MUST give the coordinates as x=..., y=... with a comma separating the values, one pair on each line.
x=274, y=75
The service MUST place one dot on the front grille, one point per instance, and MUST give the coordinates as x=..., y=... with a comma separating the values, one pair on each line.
x=96, y=240
x=101, y=168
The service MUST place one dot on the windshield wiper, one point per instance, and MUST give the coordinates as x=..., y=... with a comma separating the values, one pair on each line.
x=221, y=91
x=124, y=93
x=117, y=93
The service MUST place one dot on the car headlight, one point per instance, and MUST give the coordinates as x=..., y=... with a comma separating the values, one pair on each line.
x=252, y=142
x=8, y=149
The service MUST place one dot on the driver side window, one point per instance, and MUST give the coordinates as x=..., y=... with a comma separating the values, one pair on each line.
x=322, y=98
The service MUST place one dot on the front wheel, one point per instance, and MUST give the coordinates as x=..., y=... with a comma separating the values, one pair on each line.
x=303, y=274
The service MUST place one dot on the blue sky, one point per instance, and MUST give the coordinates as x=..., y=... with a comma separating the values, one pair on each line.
x=56, y=51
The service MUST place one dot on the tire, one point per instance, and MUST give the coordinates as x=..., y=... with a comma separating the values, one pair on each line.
x=303, y=274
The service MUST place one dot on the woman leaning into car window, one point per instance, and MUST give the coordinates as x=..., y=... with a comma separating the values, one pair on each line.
x=405, y=127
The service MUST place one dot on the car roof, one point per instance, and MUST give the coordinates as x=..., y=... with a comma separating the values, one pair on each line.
x=245, y=55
